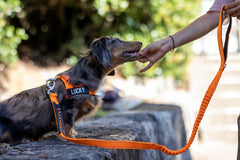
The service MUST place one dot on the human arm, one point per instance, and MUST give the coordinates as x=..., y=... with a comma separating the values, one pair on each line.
x=156, y=50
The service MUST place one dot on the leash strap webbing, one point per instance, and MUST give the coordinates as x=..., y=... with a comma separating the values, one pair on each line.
x=117, y=144
x=57, y=112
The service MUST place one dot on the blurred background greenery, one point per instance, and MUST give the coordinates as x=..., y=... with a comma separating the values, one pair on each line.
x=52, y=32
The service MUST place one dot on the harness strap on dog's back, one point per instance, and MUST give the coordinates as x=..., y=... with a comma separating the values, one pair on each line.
x=72, y=90
x=116, y=144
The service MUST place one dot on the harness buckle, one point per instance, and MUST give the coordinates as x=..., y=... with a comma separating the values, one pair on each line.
x=50, y=84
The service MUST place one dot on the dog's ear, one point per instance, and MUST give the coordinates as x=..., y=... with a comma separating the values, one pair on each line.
x=100, y=52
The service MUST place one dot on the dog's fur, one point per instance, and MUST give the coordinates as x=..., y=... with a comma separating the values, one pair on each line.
x=29, y=114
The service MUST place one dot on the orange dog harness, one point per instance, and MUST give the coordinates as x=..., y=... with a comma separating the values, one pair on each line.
x=72, y=90
x=116, y=144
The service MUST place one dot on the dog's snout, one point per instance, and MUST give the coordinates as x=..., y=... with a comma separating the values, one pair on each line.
x=140, y=43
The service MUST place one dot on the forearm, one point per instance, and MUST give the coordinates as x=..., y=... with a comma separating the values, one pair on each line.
x=195, y=30
x=156, y=50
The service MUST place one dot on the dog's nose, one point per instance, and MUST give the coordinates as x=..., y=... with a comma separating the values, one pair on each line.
x=140, y=43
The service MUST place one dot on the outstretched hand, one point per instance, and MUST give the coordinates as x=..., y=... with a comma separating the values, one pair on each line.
x=152, y=53
x=233, y=9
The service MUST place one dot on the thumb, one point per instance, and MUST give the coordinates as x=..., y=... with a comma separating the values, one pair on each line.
x=142, y=52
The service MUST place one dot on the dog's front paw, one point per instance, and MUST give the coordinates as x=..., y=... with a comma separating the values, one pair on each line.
x=73, y=133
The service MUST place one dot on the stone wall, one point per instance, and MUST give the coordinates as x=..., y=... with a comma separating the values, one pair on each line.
x=161, y=124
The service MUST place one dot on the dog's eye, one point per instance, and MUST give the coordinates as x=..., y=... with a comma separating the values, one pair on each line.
x=116, y=41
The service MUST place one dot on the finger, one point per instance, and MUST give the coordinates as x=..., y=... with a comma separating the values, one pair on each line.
x=147, y=67
x=142, y=52
x=143, y=59
x=236, y=15
x=232, y=8
x=146, y=50
x=230, y=11
x=237, y=12
x=231, y=5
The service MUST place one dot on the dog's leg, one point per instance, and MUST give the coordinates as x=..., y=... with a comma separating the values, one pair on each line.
x=68, y=118
x=83, y=110
x=90, y=106
x=5, y=134
x=68, y=130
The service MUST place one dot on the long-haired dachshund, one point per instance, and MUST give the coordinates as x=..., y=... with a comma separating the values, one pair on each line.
x=29, y=114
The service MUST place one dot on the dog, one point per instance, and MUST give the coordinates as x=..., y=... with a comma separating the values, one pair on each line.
x=30, y=115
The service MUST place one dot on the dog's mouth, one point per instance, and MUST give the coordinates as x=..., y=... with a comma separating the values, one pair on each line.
x=130, y=53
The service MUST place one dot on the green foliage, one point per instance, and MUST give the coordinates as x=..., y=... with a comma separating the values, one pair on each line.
x=64, y=29
x=10, y=37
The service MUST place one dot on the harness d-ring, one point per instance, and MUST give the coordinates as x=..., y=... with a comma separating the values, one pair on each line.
x=51, y=85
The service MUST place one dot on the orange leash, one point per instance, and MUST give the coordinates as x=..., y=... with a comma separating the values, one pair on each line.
x=116, y=144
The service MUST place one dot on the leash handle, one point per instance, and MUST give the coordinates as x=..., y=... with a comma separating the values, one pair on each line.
x=223, y=50
x=117, y=144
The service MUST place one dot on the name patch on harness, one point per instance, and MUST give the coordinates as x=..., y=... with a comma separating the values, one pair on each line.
x=77, y=91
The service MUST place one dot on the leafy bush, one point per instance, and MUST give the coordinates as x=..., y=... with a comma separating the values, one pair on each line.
x=10, y=36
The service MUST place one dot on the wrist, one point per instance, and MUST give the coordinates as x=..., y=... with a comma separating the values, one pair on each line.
x=168, y=44
x=173, y=43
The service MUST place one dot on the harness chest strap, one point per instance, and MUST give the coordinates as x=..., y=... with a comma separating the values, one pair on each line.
x=72, y=89
x=116, y=144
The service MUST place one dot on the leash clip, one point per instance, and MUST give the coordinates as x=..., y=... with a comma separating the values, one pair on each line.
x=51, y=85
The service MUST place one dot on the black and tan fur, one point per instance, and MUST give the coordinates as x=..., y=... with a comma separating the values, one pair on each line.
x=29, y=114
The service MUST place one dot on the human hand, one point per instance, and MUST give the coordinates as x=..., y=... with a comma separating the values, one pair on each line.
x=153, y=52
x=233, y=9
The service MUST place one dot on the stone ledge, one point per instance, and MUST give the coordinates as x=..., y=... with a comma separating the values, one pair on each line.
x=162, y=124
